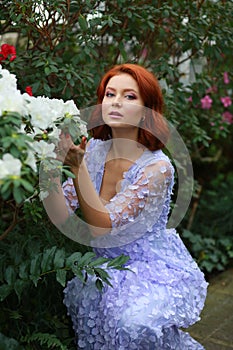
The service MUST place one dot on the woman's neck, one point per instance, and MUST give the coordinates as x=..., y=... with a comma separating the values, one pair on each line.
x=125, y=145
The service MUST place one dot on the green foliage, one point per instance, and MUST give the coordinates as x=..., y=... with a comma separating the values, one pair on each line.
x=45, y=339
x=17, y=144
x=19, y=274
x=210, y=239
x=9, y=343
x=35, y=263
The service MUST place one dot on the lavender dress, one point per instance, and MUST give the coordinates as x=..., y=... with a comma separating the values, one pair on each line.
x=164, y=290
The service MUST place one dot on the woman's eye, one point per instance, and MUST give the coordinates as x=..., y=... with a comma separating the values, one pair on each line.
x=131, y=97
x=109, y=94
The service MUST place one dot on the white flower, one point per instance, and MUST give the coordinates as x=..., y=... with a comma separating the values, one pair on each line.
x=11, y=99
x=8, y=80
x=9, y=166
x=31, y=160
x=39, y=110
x=44, y=150
x=71, y=108
x=83, y=129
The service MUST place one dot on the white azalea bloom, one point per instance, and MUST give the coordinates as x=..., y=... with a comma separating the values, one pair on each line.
x=9, y=166
x=10, y=98
x=83, y=129
x=71, y=108
x=44, y=149
x=57, y=108
x=39, y=110
x=11, y=101
x=31, y=161
x=8, y=80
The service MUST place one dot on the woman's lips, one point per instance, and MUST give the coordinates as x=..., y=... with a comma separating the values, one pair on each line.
x=115, y=114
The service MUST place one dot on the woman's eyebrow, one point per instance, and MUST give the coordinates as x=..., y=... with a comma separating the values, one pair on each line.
x=125, y=90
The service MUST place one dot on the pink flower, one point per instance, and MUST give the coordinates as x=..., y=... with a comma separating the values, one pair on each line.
x=226, y=101
x=29, y=90
x=190, y=99
x=226, y=78
x=7, y=50
x=212, y=89
x=206, y=102
x=227, y=117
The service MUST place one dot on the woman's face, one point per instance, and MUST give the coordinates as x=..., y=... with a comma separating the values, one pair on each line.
x=122, y=105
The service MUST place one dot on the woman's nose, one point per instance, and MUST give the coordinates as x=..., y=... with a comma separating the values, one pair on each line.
x=116, y=104
x=117, y=101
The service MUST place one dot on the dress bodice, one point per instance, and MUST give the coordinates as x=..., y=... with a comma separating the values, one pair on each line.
x=139, y=211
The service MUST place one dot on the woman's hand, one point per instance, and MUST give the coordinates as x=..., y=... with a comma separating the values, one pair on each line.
x=69, y=153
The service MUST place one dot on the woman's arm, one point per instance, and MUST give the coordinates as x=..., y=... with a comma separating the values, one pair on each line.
x=55, y=203
x=93, y=210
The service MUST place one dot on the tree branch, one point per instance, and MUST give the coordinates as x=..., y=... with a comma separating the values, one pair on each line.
x=14, y=222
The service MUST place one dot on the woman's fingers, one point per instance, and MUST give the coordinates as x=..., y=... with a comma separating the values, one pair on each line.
x=68, y=152
x=83, y=143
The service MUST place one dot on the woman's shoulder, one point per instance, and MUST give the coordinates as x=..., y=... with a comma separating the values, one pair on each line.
x=92, y=143
x=96, y=151
x=155, y=157
x=96, y=143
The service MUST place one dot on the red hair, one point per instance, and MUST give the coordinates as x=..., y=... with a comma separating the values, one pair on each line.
x=153, y=131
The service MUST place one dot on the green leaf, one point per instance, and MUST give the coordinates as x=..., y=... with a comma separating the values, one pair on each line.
x=5, y=290
x=98, y=261
x=10, y=275
x=99, y=284
x=79, y=273
x=9, y=343
x=18, y=194
x=83, y=23
x=74, y=258
x=61, y=277
x=103, y=275
x=110, y=22
x=86, y=259
x=120, y=260
x=47, y=70
x=59, y=259
x=19, y=287
x=28, y=187
x=23, y=270
x=47, y=259
x=35, y=269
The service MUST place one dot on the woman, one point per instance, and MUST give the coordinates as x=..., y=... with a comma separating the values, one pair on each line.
x=123, y=187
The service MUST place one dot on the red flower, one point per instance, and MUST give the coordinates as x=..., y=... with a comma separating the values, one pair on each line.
x=7, y=50
x=29, y=90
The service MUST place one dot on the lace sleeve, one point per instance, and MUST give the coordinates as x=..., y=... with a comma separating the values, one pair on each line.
x=70, y=195
x=69, y=189
x=141, y=203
